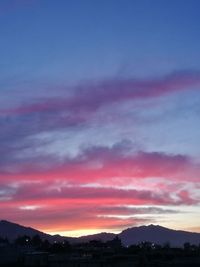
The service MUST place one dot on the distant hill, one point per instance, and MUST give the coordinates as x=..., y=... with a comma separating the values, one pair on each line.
x=159, y=235
x=13, y=230
x=104, y=237
x=135, y=235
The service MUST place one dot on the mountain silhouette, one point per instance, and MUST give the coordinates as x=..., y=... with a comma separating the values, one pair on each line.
x=152, y=233
x=159, y=235
x=12, y=230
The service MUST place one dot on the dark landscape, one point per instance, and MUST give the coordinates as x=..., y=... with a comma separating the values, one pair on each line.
x=99, y=133
x=151, y=245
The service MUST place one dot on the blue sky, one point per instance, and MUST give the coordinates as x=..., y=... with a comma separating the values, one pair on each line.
x=99, y=106
x=78, y=40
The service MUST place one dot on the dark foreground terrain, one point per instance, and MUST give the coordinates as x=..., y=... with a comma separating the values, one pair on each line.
x=33, y=251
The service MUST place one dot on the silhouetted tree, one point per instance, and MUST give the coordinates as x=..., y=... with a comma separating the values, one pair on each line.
x=147, y=246
x=23, y=240
x=115, y=243
x=45, y=245
x=66, y=245
x=96, y=243
x=187, y=246
x=167, y=246
x=36, y=241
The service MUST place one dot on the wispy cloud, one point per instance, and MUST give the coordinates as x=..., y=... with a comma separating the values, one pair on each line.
x=105, y=179
x=92, y=96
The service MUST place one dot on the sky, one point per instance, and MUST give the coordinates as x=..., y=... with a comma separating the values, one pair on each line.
x=100, y=114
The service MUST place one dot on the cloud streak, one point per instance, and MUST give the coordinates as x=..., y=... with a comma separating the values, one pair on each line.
x=92, y=96
x=98, y=208
x=98, y=181
x=101, y=164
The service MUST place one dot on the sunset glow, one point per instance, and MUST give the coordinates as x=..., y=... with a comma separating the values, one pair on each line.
x=100, y=115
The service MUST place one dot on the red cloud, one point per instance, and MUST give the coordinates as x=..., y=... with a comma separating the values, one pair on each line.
x=102, y=164
x=60, y=206
x=72, y=208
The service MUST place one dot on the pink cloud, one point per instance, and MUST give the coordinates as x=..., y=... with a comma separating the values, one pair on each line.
x=186, y=198
x=62, y=185
x=50, y=193
x=76, y=111
x=72, y=208
x=103, y=164
x=82, y=206
x=91, y=96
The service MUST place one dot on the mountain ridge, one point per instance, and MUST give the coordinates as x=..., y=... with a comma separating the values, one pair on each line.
x=134, y=235
x=12, y=230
